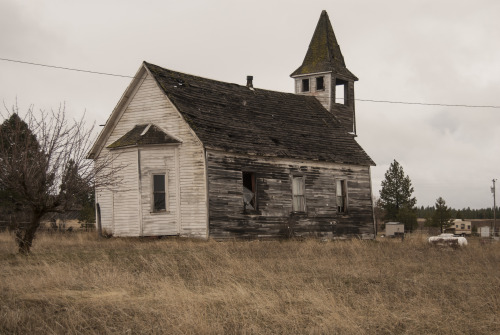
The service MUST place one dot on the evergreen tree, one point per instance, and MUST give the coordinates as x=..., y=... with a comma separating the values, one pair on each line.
x=19, y=148
x=396, y=197
x=43, y=169
x=442, y=215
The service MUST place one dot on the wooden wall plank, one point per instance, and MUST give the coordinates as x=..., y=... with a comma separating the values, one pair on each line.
x=274, y=217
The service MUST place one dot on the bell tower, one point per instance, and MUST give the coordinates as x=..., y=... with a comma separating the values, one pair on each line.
x=323, y=74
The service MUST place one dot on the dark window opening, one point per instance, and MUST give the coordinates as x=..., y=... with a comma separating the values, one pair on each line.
x=341, y=196
x=305, y=85
x=320, y=84
x=298, y=193
x=341, y=91
x=159, y=194
x=249, y=191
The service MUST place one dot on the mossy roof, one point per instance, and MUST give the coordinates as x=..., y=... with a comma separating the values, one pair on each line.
x=252, y=121
x=323, y=54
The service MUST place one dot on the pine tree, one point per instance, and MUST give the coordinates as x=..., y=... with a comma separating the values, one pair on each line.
x=442, y=215
x=396, y=197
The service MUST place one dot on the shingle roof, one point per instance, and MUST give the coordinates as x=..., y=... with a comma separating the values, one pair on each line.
x=323, y=54
x=143, y=134
x=238, y=119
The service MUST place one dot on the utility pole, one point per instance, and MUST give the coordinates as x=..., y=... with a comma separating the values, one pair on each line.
x=494, y=208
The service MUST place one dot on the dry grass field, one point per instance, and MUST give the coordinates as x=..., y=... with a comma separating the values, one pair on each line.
x=78, y=284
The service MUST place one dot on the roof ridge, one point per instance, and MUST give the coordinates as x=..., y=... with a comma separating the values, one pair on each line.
x=225, y=82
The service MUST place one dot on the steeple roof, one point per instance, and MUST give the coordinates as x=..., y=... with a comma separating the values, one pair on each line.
x=323, y=54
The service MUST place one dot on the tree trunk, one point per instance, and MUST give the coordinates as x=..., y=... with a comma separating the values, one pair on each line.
x=25, y=236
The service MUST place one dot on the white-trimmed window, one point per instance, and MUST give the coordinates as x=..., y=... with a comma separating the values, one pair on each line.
x=341, y=191
x=159, y=192
x=298, y=193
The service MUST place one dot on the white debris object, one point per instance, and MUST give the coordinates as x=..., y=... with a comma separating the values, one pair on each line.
x=448, y=239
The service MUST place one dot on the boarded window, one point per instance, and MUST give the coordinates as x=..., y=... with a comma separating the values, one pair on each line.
x=305, y=85
x=159, y=193
x=341, y=196
x=320, y=84
x=249, y=191
x=298, y=191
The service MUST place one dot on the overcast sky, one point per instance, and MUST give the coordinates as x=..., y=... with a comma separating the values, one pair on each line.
x=438, y=51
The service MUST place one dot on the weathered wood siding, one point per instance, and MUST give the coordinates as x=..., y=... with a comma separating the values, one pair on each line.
x=126, y=195
x=161, y=159
x=324, y=96
x=274, y=216
x=148, y=104
x=344, y=111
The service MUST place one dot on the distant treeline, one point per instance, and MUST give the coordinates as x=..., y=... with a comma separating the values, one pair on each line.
x=464, y=213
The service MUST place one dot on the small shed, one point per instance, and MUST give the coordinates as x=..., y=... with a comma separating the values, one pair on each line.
x=484, y=231
x=394, y=228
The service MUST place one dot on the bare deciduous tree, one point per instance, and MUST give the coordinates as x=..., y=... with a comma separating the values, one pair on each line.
x=43, y=168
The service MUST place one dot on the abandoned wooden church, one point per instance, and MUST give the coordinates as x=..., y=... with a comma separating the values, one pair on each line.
x=206, y=158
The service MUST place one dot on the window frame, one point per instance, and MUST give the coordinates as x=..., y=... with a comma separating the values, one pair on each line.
x=308, y=85
x=341, y=86
x=153, y=192
x=303, y=208
x=322, y=78
x=344, y=195
x=253, y=189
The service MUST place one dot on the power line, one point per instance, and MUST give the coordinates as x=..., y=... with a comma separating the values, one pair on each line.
x=427, y=104
x=363, y=100
x=66, y=68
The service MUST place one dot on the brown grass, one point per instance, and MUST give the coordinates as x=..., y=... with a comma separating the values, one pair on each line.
x=77, y=284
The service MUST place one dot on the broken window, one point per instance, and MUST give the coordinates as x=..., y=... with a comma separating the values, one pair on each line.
x=249, y=191
x=159, y=193
x=298, y=192
x=320, y=84
x=341, y=196
x=340, y=91
x=305, y=85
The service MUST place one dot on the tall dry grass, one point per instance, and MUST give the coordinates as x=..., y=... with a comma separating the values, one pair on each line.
x=78, y=284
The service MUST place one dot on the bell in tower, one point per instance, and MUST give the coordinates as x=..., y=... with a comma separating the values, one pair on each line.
x=323, y=74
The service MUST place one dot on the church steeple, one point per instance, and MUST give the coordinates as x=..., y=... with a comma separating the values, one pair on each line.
x=324, y=52
x=323, y=74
